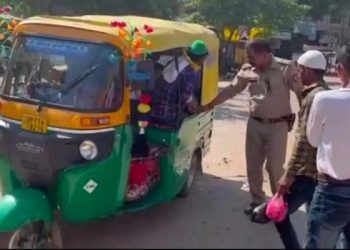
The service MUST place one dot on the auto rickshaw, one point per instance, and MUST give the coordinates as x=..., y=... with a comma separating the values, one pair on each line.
x=71, y=157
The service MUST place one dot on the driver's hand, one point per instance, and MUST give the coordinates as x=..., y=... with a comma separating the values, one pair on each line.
x=30, y=90
x=193, y=106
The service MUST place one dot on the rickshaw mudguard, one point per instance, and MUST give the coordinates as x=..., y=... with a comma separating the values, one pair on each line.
x=24, y=206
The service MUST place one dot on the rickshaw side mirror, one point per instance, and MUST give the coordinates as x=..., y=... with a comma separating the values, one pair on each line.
x=140, y=74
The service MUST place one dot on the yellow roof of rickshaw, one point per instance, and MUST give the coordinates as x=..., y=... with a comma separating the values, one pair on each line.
x=167, y=34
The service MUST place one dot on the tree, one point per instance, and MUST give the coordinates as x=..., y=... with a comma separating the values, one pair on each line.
x=153, y=8
x=320, y=8
x=271, y=15
x=20, y=8
x=336, y=8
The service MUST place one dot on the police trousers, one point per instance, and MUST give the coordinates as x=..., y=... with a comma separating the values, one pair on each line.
x=266, y=144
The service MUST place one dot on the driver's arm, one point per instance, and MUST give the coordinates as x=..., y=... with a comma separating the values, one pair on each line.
x=30, y=90
x=189, y=82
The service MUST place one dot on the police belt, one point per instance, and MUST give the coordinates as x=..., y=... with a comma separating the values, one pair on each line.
x=272, y=120
x=324, y=178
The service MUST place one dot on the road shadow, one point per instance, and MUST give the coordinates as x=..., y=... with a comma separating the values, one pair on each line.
x=229, y=112
x=211, y=217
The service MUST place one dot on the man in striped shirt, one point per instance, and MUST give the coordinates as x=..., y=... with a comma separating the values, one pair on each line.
x=179, y=85
x=299, y=181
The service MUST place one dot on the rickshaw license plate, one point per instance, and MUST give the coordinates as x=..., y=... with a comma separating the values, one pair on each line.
x=34, y=124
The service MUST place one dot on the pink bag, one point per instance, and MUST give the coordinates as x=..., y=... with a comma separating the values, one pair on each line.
x=277, y=208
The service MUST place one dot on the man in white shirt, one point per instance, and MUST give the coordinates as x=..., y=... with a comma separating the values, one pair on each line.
x=328, y=129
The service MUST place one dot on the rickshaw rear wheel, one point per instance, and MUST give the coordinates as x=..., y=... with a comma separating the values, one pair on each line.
x=192, y=174
x=37, y=235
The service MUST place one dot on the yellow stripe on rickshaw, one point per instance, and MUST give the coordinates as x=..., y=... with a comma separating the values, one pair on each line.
x=59, y=118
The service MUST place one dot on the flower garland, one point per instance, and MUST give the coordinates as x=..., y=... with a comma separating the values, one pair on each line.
x=7, y=26
x=136, y=47
x=136, y=44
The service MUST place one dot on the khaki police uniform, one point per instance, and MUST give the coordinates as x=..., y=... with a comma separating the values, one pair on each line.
x=267, y=129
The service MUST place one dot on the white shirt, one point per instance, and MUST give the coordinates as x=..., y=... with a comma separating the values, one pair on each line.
x=170, y=73
x=328, y=129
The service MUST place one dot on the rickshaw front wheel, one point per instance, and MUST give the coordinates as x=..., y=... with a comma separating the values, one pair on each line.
x=192, y=174
x=36, y=235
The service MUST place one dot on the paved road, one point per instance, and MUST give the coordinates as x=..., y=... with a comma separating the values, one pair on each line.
x=211, y=217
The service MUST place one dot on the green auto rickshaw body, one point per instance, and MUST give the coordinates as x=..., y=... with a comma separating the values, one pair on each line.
x=42, y=172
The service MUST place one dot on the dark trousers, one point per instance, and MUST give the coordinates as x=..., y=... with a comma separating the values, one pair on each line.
x=329, y=216
x=301, y=192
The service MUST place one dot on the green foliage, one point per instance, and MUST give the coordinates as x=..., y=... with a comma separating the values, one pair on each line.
x=7, y=25
x=319, y=8
x=269, y=14
x=279, y=14
x=154, y=8
x=5, y=36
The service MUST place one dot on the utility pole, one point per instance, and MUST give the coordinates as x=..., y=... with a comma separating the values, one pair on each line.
x=342, y=28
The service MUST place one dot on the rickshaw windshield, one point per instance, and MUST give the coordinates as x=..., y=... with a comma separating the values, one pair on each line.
x=63, y=73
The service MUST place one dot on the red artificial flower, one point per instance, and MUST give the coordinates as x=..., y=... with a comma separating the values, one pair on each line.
x=114, y=24
x=117, y=24
x=145, y=99
x=1, y=11
x=7, y=9
x=122, y=24
x=150, y=30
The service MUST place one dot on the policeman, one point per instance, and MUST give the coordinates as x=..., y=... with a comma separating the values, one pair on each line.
x=270, y=118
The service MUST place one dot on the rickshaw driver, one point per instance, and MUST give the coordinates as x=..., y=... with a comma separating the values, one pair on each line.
x=185, y=72
x=58, y=74
x=51, y=88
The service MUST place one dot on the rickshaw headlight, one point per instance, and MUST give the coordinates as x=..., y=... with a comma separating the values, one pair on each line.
x=88, y=150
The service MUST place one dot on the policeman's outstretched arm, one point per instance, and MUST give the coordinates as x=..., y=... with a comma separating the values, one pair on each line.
x=237, y=86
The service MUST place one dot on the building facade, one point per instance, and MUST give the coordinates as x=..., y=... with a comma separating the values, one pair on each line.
x=334, y=29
